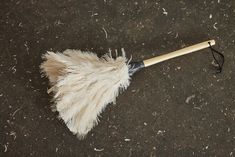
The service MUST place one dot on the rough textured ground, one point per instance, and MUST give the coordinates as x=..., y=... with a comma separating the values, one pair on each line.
x=176, y=108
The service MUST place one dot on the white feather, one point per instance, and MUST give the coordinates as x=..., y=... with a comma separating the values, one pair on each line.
x=83, y=85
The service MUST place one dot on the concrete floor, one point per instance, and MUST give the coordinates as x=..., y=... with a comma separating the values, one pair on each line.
x=176, y=108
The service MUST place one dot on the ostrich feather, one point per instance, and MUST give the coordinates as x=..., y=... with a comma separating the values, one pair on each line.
x=83, y=84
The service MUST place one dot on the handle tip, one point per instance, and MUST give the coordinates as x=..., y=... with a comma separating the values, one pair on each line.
x=212, y=42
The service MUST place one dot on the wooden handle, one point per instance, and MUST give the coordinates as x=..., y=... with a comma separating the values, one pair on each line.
x=178, y=53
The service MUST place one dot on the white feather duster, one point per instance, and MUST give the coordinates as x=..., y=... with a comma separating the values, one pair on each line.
x=83, y=84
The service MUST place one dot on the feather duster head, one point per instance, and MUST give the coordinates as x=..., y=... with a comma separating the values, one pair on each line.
x=83, y=84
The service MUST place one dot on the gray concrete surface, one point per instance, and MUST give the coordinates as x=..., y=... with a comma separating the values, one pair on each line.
x=176, y=108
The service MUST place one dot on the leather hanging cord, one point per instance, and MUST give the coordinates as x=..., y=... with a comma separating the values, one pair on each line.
x=220, y=61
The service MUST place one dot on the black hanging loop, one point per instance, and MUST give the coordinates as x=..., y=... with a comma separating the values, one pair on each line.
x=219, y=62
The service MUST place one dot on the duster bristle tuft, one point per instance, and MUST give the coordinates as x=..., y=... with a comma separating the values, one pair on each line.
x=83, y=85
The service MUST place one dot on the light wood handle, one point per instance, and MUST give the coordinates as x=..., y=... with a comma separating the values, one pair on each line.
x=184, y=51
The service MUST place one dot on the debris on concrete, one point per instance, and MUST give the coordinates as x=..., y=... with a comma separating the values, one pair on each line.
x=98, y=150
x=164, y=11
x=127, y=139
x=188, y=99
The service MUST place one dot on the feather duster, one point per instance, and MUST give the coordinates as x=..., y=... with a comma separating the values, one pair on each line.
x=84, y=84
